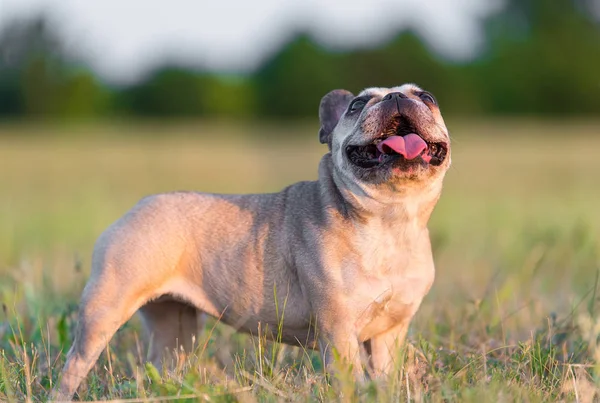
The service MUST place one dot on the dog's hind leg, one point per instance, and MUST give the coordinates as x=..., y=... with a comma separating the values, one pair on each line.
x=106, y=305
x=171, y=326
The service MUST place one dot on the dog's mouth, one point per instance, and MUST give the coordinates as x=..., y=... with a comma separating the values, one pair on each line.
x=399, y=142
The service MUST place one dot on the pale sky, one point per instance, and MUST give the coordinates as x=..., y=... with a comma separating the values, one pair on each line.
x=123, y=39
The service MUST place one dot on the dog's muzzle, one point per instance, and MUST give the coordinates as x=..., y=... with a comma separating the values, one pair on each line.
x=400, y=140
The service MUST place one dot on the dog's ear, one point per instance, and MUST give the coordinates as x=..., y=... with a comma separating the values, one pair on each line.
x=331, y=109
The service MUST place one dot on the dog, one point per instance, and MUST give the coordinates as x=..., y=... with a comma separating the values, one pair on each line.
x=340, y=264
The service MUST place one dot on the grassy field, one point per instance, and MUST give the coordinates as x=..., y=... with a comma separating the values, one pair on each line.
x=512, y=315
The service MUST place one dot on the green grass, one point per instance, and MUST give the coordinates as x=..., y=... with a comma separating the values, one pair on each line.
x=512, y=315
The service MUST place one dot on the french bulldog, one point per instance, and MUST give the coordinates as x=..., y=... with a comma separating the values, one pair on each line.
x=340, y=264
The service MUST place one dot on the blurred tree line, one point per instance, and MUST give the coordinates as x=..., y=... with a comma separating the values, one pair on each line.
x=541, y=58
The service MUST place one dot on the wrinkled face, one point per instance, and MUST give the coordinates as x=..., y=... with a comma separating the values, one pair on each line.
x=386, y=135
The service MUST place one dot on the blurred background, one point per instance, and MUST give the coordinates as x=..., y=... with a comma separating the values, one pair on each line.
x=103, y=103
x=67, y=60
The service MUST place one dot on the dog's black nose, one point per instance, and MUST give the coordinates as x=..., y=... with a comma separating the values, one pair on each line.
x=393, y=95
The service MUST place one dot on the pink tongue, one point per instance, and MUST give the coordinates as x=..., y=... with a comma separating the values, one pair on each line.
x=409, y=146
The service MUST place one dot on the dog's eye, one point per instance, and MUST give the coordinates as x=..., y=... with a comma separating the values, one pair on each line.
x=427, y=98
x=357, y=104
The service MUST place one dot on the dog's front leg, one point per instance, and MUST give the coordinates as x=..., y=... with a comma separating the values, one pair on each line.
x=340, y=349
x=385, y=347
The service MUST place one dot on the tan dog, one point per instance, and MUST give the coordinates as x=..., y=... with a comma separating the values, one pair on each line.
x=348, y=255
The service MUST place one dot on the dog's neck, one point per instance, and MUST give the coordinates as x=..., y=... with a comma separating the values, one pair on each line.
x=410, y=204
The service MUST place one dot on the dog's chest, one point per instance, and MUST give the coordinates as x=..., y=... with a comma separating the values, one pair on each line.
x=394, y=273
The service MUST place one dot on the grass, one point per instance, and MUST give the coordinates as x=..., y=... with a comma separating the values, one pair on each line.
x=512, y=316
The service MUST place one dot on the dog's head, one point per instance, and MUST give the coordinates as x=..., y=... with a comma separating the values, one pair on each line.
x=386, y=137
